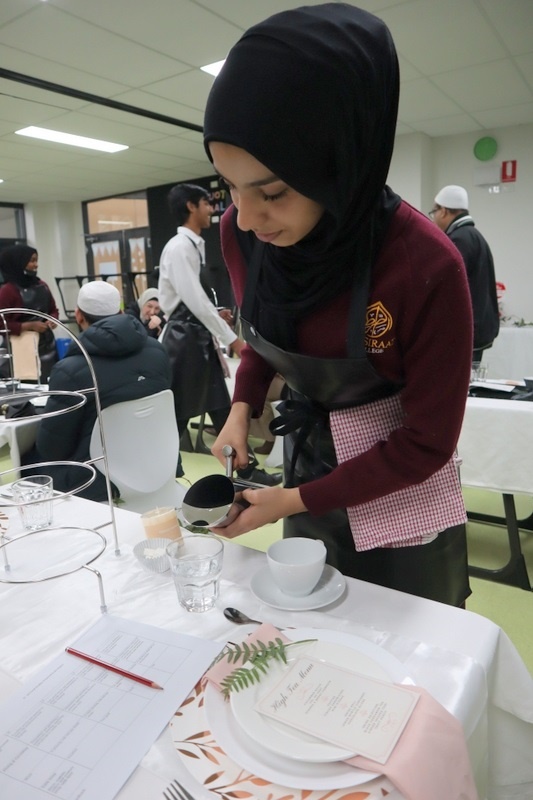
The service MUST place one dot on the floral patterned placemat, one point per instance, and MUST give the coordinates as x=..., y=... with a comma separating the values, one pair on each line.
x=213, y=769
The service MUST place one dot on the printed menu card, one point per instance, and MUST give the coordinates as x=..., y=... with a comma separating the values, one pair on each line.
x=361, y=714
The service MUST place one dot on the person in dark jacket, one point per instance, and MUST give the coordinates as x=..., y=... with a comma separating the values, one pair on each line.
x=22, y=288
x=450, y=214
x=128, y=365
x=148, y=311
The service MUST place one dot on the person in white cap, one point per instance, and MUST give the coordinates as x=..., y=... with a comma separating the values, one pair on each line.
x=128, y=365
x=450, y=213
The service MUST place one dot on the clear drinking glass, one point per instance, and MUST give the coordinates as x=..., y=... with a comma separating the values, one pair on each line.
x=33, y=496
x=196, y=564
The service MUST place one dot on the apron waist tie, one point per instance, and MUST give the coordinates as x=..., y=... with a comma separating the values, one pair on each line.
x=302, y=417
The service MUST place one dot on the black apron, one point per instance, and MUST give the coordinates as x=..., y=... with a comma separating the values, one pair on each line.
x=198, y=382
x=37, y=298
x=437, y=570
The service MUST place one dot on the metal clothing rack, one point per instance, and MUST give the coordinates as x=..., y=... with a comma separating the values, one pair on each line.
x=80, y=398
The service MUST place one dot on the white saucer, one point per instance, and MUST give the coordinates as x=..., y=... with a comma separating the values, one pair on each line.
x=329, y=588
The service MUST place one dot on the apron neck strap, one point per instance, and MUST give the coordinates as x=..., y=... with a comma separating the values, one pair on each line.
x=358, y=302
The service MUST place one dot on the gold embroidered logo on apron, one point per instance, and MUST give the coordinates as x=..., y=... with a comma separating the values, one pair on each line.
x=378, y=323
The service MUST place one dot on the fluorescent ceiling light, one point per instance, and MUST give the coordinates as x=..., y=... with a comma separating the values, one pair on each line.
x=214, y=68
x=70, y=138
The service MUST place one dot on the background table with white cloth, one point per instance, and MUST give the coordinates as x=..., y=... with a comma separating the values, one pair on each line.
x=466, y=661
x=496, y=451
x=19, y=435
x=511, y=355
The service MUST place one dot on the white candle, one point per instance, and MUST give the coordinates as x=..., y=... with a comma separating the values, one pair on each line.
x=161, y=523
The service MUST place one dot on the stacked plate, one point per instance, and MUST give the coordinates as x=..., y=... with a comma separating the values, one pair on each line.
x=280, y=754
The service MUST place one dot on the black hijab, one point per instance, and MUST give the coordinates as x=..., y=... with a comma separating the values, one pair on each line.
x=312, y=93
x=13, y=263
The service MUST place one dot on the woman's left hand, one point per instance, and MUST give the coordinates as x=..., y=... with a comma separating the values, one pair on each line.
x=266, y=505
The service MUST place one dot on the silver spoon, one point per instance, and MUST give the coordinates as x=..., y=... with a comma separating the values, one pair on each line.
x=234, y=615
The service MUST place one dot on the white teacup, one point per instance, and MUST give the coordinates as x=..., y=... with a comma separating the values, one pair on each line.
x=296, y=564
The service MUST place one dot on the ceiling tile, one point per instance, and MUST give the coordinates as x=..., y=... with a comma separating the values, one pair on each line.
x=420, y=99
x=10, y=9
x=159, y=105
x=93, y=49
x=513, y=20
x=18, y=60
x=191, y=87
x=524, y=65
x=173, y=30
x=448, y=126
x=190, y=149
x=436, y=36
x=497, y=84
x=499, y=117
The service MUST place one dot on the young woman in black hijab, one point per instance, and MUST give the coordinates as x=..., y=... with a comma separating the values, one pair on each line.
x=22, y=288
x=350, y=294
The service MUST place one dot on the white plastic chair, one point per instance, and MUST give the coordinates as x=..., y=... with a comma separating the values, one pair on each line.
x=142, y=446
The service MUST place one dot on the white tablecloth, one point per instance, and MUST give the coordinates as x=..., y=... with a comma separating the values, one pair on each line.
x=511, y=355
x=464, y=659
x=496, y=445
x=19, y=435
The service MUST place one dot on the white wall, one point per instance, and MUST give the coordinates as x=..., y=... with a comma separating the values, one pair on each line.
x=56, y=231
x=421, y=166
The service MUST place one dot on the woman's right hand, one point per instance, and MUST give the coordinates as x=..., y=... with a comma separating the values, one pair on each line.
x=35, y=325
x=235, y=433
x=237, y=346
x=154, y=322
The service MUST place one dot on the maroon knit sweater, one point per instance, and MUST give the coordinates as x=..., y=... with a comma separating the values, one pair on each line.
x=419, y=280
x=10, y=298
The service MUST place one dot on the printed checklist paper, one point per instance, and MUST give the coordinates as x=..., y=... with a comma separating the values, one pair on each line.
x=361, y=714
x=76, y=730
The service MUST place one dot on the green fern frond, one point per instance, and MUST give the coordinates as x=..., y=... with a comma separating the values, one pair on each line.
x=259, y=655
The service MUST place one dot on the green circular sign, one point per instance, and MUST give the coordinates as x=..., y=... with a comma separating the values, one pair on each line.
x=485, y=148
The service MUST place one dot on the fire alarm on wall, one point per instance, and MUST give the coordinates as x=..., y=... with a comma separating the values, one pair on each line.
x=508, y=171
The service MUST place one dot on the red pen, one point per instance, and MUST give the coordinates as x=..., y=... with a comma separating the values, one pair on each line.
x=112, y=668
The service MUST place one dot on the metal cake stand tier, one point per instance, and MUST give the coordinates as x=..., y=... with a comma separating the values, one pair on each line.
x=44, y=563
x=80, y=398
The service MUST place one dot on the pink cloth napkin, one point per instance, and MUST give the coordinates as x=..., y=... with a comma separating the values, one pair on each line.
x=430, y=760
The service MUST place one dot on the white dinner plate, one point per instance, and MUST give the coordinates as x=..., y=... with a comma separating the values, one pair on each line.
x=329, y=588
x=255, y=758
x=281, y=738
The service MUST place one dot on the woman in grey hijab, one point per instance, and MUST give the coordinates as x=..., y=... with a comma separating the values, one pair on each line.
x=148, y=311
